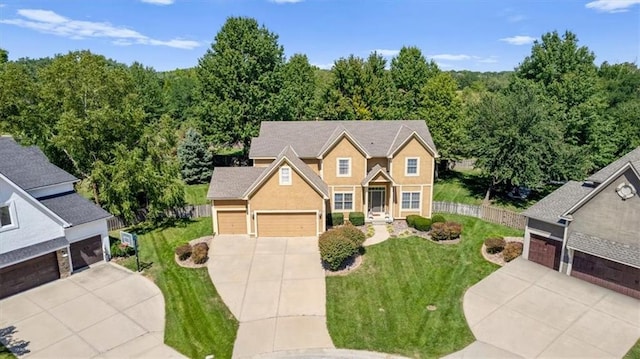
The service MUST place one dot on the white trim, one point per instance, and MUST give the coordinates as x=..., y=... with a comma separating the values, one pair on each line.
x=338, y=159
x=414, y=134
x=345, y=133
x=284, y=211
x=268, y=174
x=54, y=185
x=353, y=200
x=406, y=167
x=419, y=209
x=433, y=170
x=288, y=181
x=232, y=209
x=544, y=234
x=214, y=219
x=248, y=219
x=13, y=217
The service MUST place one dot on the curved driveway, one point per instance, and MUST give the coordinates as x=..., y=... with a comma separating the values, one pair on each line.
x=276, y=289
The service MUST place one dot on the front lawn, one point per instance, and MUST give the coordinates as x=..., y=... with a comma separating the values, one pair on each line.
x=196, y=194
x=198, y=323
x=382, y=306
x=634, y=352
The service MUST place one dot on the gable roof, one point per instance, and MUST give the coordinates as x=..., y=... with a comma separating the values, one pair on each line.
x=374, y=172
x=608, y=171
x=73, y=208
x=625, y=253
x=309, y=138
x=28, y=167
x=551, y=207
x=339, y=133
x=232, y=182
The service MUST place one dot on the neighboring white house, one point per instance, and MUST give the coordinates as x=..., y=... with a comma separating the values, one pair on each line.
x=47, y=230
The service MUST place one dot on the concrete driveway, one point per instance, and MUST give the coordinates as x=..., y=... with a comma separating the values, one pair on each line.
x=527, y=310
x=103, y=312
x=276, y=289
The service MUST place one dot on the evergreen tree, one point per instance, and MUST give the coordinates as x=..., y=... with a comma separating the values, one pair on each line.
x=196, y=161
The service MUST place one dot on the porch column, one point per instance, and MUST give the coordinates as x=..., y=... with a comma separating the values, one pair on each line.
x=366, y=201
x=392, y=189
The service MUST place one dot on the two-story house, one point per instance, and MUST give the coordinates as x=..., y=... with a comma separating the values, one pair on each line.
x=591, y=229
x=47, y=230
x=304, y=171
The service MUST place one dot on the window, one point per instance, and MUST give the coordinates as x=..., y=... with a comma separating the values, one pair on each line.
x=410, y=200
x=5, y=216
x=411, y=167
x=285, y=176
x=344, y=167
x=343, y=201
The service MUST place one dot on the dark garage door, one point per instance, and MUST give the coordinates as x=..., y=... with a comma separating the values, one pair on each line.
x=545, y=251
x=86, y=252
x=605, y=273
x=28, y=274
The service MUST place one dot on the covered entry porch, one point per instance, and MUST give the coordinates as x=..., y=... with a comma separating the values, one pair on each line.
x=379, y=195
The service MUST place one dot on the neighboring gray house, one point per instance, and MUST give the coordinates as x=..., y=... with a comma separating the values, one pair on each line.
x=591, y=229
x=47, y=230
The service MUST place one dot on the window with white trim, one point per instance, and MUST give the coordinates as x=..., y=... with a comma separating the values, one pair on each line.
x=343, y=201
x=8, y=218
x=410, y=200
x=285, y=176
x=411, y=166
x=343, y=167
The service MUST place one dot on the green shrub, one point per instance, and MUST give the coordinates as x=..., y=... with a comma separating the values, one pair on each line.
x=200, y=253
x=184, y=251
x=353, y=234
x=335, y=248
x=512, y=251
x=337, y=219
x=494, y=244
x=411, y=220
x=119, y=249
x=445, y=231
x=356, y=218
x=438, y=218
x=422, y=224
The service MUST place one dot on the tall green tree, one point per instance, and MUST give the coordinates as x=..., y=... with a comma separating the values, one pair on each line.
x=148, y=89
x=4, y=56
x=238, y=77
x=180, y=95
x=196, y=160
x=410, y=72
x=295, y=100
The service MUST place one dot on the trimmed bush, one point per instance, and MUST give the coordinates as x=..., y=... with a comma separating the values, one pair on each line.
x=337, y=219
x=119, y=249
x=200, y=253
x=184, y=251
x=494, y=244
x=356, y=218
x=512, y=251
x=455, y=229
x=411, y=220
x=445, y=231
x=438, y=218
x=335, y=248
x=353, y=234
x=422, y=224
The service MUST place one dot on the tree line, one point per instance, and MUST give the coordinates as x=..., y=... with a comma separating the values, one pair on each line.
x=137, y=135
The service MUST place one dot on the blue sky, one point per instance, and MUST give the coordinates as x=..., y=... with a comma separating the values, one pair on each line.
x=167, y=34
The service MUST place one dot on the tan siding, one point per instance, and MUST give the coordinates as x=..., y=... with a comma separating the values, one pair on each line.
x=344, y=148
x=287, y=224
x=217, y=204
x=314, y=164
x=382, y=161
x=413, y=148
x=358, y=200
x=232, y=222
x=262, y=162
x=426, y=202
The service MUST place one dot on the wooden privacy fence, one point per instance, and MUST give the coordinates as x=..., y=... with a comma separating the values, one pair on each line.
x=490, y=214
x=189, y=211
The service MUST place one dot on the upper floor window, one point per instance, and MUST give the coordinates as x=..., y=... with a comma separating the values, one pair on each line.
x=8, y=218
x=412, y=167
x=285, y=176
x=344, y=167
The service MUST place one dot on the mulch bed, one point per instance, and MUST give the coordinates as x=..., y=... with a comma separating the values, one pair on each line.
x=188, y=263
x=349, y=266
x=401, y=229
x=497, y=257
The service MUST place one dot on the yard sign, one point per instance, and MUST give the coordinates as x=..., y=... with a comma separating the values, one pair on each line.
x=130, y=239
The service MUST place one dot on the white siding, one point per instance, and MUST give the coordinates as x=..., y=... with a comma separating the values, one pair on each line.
x=51, y=190
x=86, y=230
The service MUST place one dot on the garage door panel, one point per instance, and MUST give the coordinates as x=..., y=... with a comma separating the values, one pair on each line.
x=612, y=275
x=86, y=252
x=545, y=251
x=28, y=274
x=232, y=222
x=287, y=224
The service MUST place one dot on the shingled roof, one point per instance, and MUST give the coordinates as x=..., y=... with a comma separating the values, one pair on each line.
x=309, y=138
x=28, y=167
x=625, y=253
x=550, y=208
x=605, y=173
x=73, y=208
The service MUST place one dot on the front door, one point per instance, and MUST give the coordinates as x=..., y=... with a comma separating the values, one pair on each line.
x=376, y=199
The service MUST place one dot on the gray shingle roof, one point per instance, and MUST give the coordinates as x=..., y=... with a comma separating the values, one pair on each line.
x=603, y=174
x=73, y=208
x=32, y=251
x=308, y=138
x=374, y=172
x=558, y=202
x=232, y=182
x=28, y=167
x=628, y=254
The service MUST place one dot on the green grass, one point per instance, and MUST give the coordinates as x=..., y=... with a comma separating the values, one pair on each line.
x=198, y=323
x=634, y=352
x=196, y=193
x=382, y=305
x=6, y=353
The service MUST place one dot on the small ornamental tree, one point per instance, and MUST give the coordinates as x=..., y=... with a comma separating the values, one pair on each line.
x=196, y=161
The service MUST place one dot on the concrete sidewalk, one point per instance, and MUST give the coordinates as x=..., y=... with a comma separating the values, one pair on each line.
x=534, y=312
x=276, y=289
x=381, y=234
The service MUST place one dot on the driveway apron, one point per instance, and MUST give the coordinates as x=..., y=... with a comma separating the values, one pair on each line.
x=276, y=289
x=531, y=311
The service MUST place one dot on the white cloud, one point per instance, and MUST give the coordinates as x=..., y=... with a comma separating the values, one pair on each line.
x=450, y=57
x=612, y=6
x=159, y=2
x=323, y=66
x=489, y=60
x=285, y=1
x=387, y=52
x=519, y=40
x=516, y=18
x=3, y=5
x=49, y=22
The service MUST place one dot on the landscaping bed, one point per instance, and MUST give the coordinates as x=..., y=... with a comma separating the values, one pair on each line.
x=388, y=304
x=498, y=258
